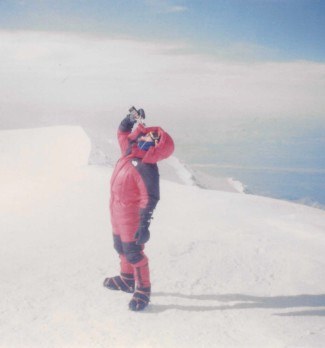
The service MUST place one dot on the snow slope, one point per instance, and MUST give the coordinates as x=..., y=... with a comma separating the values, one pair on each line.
x=228, y=269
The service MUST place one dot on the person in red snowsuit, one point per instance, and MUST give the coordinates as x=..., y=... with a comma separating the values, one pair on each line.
x=134, y=196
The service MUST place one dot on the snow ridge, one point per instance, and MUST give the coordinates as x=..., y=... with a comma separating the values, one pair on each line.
x=252, y=267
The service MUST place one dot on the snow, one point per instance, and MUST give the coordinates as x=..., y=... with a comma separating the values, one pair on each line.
x=228, y=269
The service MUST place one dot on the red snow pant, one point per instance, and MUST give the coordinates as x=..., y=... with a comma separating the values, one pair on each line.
x=132, y=258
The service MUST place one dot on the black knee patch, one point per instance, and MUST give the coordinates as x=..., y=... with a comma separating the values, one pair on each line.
x=118, y=244
x=133, y=252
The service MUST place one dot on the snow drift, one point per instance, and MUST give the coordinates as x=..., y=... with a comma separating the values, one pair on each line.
x=49, y=149
x=228, y=269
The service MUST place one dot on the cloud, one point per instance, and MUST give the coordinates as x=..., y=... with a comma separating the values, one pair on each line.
x=60, y=74
x=163, y=6
x=176, y=9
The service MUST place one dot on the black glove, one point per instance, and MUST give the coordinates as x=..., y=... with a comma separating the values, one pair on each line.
x=127, y=124
x=132, y=118
x=142, y=235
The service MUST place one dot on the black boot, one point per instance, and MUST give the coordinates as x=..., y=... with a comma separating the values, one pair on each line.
x=124, y=282
x=140, y=299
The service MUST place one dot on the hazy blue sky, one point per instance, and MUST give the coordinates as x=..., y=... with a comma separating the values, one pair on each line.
x=255, y=29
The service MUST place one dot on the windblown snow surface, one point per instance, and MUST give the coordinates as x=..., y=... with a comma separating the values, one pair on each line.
x=228, y=269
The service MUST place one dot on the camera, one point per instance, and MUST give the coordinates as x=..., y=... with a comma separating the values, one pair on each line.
x=133, y=109
x=137, y=113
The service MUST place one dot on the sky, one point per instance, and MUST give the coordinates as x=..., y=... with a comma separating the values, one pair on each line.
x=279, y=30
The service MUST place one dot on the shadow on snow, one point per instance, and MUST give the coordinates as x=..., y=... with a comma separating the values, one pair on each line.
x=239, y=301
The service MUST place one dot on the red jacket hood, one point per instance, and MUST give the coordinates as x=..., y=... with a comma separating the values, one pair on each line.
x=157, y=153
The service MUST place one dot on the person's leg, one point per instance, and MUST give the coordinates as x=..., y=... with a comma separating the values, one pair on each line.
x=125, y=266
x=134, y=263
x=125, y=281
x=137, y=258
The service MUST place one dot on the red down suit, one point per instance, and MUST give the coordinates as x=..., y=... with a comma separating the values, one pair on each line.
x=135, y=194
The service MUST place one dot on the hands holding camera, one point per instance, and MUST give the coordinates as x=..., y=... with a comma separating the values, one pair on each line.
x=136, y=115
